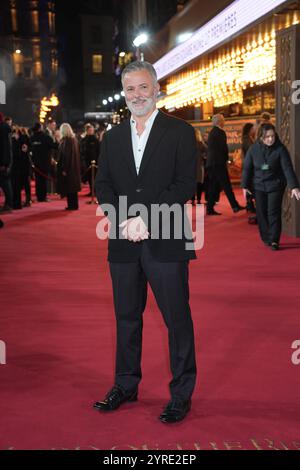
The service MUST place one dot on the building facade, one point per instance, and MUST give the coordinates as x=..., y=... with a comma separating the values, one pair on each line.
x=28, y=51
x=241, y=60
x=97, y=52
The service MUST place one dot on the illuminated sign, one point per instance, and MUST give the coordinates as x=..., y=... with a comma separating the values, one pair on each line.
x=230, y=21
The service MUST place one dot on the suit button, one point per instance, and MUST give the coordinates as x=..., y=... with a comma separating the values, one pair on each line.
x=138, y=190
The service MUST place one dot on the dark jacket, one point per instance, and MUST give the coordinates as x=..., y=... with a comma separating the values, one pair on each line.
x=280, y=170
x=42, y=145
x=25, y=156
x=68, y=162
x=89, y=149
x=5, y=145
x=201, y=158
x=167, y=175
x=217, y=151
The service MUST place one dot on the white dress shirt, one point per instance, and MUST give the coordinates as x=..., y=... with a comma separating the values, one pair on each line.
x=139, y=142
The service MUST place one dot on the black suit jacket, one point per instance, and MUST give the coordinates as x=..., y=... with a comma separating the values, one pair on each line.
x=167, y=175
x=217, y=151
x=5, y=145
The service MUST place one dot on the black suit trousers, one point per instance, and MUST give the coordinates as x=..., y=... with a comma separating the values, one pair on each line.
x=169, y=283
x=40, y=187
x=268, y=211
x=219, y=179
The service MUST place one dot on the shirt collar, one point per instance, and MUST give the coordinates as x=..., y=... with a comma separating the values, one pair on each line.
x=149, y=120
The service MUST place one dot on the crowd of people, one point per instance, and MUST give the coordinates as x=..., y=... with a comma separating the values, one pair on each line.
x=59, y=160
x=56, y=158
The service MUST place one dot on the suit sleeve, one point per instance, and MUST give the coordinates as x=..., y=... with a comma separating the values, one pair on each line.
x=248, y=170
x=49, y=142
x=184, y=183
x=103, y=182
x=288, y=170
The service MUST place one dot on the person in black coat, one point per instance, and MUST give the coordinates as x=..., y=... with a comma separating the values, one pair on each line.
x=201, y=158
x=41, y=145
x=25, y=165
x=217, y=157
x=68, y=167
x=6, y=163
x=149, y=160
x=16, y=169
x=89, y=150
x=268, y=169
x=248, y=139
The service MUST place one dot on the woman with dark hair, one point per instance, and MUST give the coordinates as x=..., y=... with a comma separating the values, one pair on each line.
x=201, y=156
x=248, y=139
x=268, y=169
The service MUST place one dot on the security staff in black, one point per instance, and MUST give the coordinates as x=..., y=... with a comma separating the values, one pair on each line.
x=268, y=169
x=41, y=145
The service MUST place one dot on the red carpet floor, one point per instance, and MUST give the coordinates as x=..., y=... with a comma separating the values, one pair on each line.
x=58, y=325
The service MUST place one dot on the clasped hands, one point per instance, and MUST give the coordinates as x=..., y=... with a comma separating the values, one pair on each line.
x=134, y=229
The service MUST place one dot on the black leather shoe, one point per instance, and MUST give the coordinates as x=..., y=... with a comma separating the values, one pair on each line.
x=274, y=246
x=238, y=208
x=213, y=212
x=115, y=397
x=176, y=410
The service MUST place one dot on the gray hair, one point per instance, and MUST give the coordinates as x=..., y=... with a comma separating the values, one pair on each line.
x=217, y=118
x=66, y=130
x=139, y=65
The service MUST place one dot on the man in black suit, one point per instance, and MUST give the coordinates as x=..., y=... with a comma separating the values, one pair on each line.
x=42, y=146
x=151, y=160
x=6, y=160
x=217, y=157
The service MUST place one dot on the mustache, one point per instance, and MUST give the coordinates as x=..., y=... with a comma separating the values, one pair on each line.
x=140, y=100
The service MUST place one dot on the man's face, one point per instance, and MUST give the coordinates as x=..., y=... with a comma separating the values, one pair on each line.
x=52, y=126
x=140, y=92
x=90, y=131
x=222, y=122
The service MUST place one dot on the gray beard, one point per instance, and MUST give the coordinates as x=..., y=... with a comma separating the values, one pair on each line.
x=144, y=111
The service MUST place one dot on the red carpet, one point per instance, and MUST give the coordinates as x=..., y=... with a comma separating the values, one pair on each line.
x=58, y=325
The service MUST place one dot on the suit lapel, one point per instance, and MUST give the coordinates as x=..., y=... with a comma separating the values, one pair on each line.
x=127, y=149
x=157, y=131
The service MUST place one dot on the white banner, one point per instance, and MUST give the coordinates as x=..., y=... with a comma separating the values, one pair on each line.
x=230, y=21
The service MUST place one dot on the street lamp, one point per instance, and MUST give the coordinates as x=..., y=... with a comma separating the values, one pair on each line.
x=141, y=39
x=104, y=102
x=117, y=97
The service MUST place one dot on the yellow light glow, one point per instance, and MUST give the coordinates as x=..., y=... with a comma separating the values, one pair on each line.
x=47, y=105
x=224, y=79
